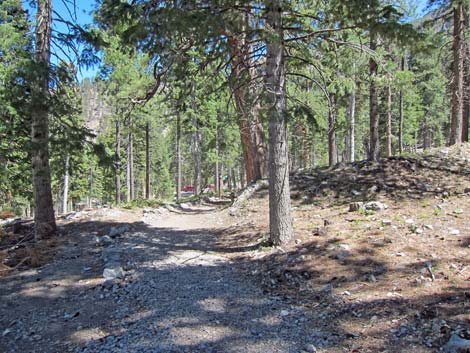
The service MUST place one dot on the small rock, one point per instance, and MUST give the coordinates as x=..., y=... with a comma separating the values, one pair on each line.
x=453, y=231
x=355, y=192
x=409, y=221
x=68, y=317
x=375, y=206
x=310, y=348
x=320, y=231
x=284, y=313
x=113, y=273
x=386, y=222
x=117, y=231
x=429, y=226
x=458, y=211
x=457, y=344
x=371, y=278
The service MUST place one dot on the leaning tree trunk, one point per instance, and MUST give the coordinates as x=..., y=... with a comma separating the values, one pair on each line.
x=117, y=163
x=65, y=195
x=147, y=160
x=374, y=142
x=44, y=218
x=280, y=219
x=458, y=74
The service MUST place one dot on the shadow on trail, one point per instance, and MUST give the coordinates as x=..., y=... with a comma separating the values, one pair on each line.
x=204, y=304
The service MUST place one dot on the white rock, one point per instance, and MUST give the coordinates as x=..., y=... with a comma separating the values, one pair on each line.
x=386, y=222
x=375, y=206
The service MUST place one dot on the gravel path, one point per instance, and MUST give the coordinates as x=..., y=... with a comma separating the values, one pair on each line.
x=178, y=295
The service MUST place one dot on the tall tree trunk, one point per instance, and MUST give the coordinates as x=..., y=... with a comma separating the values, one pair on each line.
x=196, y=145
x=352, y=124
x=426, y=135
x=402, y=112
x=65, y=196
x=147, y=160
x=131, y=159
x=217, y=174
x=374, y=142
x=466, y=88
x=465, y=122
x=332, y=146
x=44, y=219
x=280, y=219
x=246, y=97
x=389, y=118
x=117, y=163
x=458, y=74
x=128, y=174
x=178, y=155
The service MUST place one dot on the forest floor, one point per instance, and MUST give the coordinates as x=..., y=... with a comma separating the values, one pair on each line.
x=201, y=278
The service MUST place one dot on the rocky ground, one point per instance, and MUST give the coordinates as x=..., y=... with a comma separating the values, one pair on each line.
x=380, y=263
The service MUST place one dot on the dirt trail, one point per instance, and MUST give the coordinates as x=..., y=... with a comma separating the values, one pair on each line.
x=181, y=293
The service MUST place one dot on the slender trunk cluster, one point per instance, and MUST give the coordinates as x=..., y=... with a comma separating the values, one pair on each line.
x=44, y=217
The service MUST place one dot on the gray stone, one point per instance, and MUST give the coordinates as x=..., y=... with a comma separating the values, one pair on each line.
x=375, y=206
x=113, y=273
x=457, y=344
x=310, y=348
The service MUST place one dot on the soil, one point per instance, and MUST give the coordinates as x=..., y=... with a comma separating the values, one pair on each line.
x=203, y=278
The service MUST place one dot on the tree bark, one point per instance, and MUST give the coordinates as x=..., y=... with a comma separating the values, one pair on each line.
x=246, y=96
x=217, y=174
x=374, y=142
x=117, y=163
x=352, y=124
x=196, y=146
x=332, y=146
x=280, y=219
x=147, y=160
x=402, y=112
x=65, y=195
x=389, y=118
x=44, y=218
x=458, y=74
x=178, y=155
x=131, y=159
